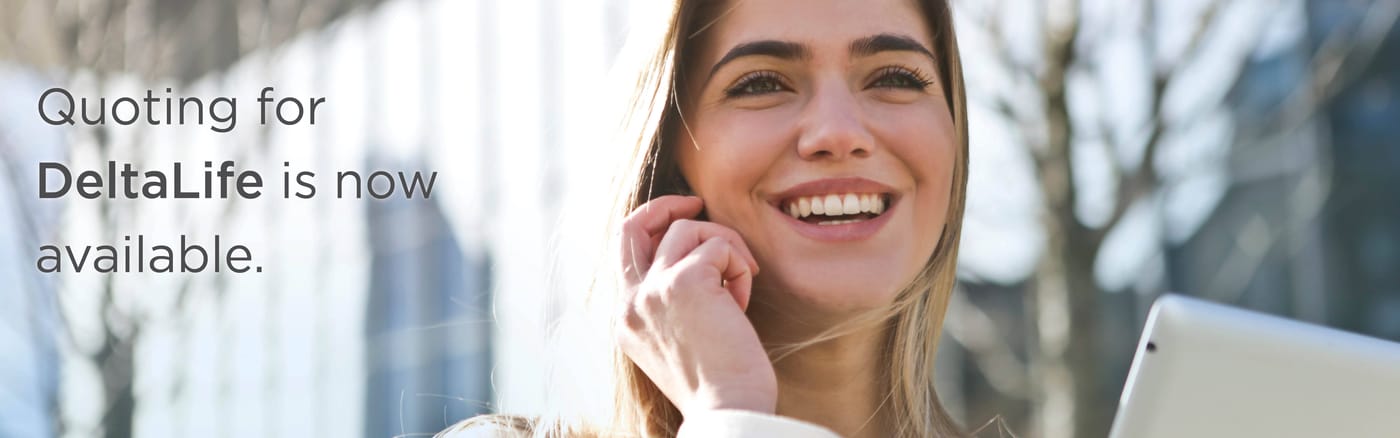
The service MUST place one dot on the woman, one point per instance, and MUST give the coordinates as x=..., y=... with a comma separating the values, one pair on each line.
x=791, y=227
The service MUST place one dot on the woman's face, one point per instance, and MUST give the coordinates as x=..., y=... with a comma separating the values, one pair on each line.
x=819, y=131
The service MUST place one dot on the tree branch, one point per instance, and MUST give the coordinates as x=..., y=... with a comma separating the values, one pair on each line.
x=1134, y=185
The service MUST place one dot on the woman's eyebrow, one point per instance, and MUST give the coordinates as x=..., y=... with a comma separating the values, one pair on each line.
x=887, y=42
x=787, y=50
x=778, y=49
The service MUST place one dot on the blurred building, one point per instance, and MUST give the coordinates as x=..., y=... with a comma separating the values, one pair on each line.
x=1309, y=227
x=427, y=322
x=1362, y=223
x=373, y=317
x=31, y=326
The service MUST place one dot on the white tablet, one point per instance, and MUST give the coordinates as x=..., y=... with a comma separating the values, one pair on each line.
x=1207, y=370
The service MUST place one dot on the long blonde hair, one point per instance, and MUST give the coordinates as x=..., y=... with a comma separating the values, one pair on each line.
x=915, y=319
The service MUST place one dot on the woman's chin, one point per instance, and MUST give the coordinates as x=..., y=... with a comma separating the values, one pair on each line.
x=837, y=292
x=841, y=282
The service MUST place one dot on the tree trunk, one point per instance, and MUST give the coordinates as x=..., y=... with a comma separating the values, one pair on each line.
x=1065, y=297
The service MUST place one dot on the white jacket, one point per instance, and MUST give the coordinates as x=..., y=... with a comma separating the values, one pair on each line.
x=723, y=423
x=749, y=424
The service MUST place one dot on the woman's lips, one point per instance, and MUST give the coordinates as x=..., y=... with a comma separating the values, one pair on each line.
x=832, y=186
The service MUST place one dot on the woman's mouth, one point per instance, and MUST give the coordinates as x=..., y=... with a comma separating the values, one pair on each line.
x=836, y=209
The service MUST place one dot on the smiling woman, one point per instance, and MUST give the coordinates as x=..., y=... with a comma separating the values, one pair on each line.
x=789, y=231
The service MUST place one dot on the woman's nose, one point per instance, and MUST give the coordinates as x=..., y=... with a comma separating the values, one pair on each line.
x=832, y=126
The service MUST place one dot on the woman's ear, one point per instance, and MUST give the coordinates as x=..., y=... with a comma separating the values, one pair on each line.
x=672, y=178
x=683, y=188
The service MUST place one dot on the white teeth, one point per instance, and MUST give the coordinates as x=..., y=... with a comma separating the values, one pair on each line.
x=835, y=205
x=850, y=204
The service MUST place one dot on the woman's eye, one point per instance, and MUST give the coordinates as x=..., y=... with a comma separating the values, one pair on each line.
x=756, y=84
x=894, y=77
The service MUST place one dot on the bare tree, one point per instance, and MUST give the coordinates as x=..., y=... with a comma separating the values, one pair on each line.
x=1054, y=51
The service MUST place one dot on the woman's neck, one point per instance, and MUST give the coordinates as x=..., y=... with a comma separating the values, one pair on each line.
x=837, y=383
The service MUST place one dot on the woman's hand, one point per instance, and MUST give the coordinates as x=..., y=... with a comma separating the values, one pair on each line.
x=687, y=284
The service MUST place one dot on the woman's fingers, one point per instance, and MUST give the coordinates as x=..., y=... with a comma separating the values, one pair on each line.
x=679, y=321
x=718, y=261
x=685, y=235
x=644, y=228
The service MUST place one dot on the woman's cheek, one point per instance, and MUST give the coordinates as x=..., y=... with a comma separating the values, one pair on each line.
x=926, y=148
x=746, y=149
x=759, y=132
x=723, y=166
